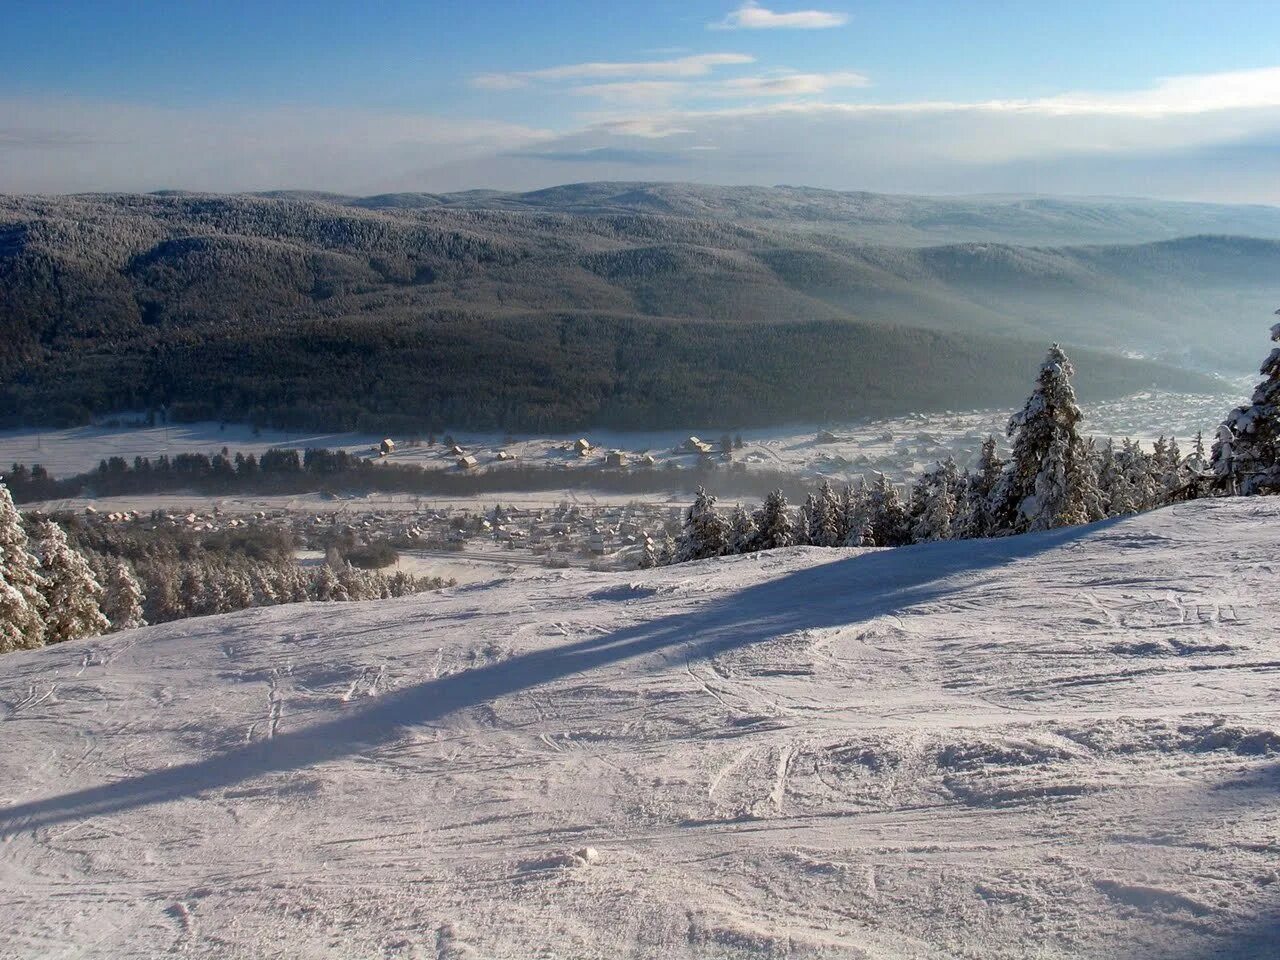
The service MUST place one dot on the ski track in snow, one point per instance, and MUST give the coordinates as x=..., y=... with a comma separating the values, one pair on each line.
x=1060, y=745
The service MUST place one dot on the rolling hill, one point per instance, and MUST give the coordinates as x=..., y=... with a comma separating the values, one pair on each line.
x=603, y=303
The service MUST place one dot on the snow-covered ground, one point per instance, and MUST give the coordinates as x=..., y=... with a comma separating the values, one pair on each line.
x=898, y=446
x=1057, y=745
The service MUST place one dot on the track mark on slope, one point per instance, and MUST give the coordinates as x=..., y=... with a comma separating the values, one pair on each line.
x=779, y=792
x=180, y=913
x=32, y=698
x=727, y=769
x=275, y=708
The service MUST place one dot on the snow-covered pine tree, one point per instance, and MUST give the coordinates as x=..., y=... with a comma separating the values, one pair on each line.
x=962, y=525
x=1091, y=497
x=22, y=605
x=973, y=505
x=1143, y=474
x=1246, y=456
x=326, y=586
x=936, y=510
x=705, y=532
x=123, y=598
x=824, y=517
x=743, y=536
x=855, y=516
x=1039, y=488
x=888, y=519
x=72, y=595
x=774, y=526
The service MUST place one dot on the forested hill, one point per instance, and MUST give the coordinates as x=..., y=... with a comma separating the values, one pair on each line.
x=486, y=311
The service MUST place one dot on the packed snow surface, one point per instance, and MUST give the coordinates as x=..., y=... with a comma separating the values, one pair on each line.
x=1056, y=745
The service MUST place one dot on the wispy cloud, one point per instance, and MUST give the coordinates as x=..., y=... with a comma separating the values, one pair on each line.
x=695, y=65
x=752, y=16
x=791, y=84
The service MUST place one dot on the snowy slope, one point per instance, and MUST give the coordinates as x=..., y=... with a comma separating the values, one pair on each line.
x=1059, y=745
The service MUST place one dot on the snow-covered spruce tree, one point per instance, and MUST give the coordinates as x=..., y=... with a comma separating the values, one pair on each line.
x=743, y=536
x=123, y=598
x=72, y=596
x=1091, y=497
x=1040, y=487
x=1143, y=475
x=823, y=517
x=936, y=504
x=774, y=526
x=973, y=500
x=890, y=525
x=855, y=516
x=705, y=532
x=22, y=604
x=1246, y=455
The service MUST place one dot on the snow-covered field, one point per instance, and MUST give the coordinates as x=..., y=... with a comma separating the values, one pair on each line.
x=897, y=446
x=1057, y=745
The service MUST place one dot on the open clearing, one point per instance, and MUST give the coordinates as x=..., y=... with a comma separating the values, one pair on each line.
x=1057, y=745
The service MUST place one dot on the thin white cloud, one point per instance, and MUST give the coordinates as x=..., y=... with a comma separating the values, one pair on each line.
x=752, y=16
x=695, y=65
x=634, y=91
x=791, y=84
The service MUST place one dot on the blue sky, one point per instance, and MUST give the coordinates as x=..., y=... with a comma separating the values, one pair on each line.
x=1173, y=99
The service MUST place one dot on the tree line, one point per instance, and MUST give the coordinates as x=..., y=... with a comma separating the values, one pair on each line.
x=1054, y=477
x=63, y=580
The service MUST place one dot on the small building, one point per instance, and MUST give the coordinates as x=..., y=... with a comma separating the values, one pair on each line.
x=467, y=462
x=694, y=445
x=504, y=456
x=615, y=458
x=582, y=445
x=649, y=460
x=386, y=446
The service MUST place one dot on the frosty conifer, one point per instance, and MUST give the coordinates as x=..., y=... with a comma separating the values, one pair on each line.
x=887, y=515
x=1040, y=488
x=824, y=517
x=1246, y=456
x=705, y=532
x=122, y=603
x=743, y=536
x=773, y=523
x=22, y=605
x=72, y=594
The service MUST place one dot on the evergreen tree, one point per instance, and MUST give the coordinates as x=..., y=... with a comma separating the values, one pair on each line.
x=1090, y=489
x=1040, y=487
x=774, y=525
x=824, y=526
x=705, y=532
x=887, y=515
x=1246, y=456
x=974, y=506
x=743, y=536
x=122, y=603
x=22, y=604
x=855, y=516
x=72, y=595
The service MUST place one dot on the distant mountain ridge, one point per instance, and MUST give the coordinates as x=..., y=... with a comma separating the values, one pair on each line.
x=869, y=217
x=169, y=290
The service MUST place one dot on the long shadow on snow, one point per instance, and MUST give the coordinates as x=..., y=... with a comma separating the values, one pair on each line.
x=834, y=594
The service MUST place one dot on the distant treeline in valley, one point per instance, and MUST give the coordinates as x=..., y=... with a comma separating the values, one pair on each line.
x=290, y=472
